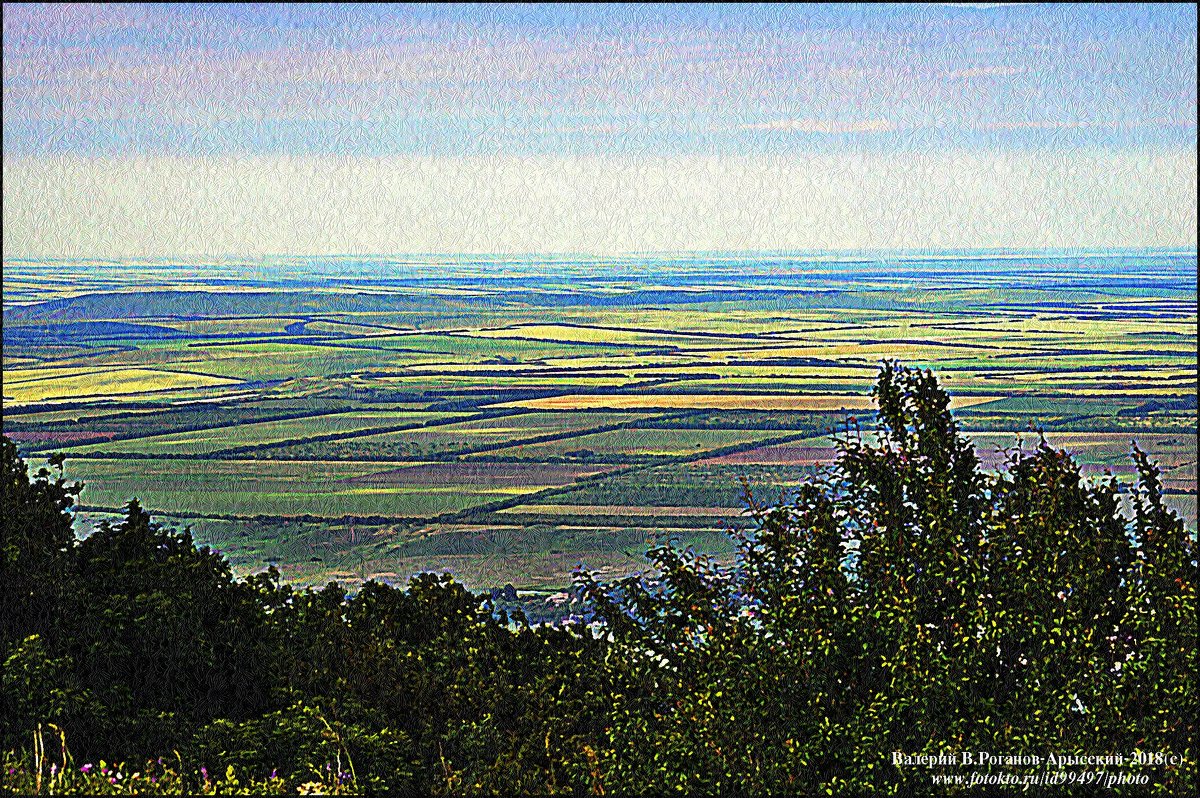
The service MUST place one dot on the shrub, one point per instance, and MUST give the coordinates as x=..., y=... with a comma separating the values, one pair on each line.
x=906, y=601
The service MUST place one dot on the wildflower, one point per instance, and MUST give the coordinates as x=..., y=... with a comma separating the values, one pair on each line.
x=274, y=771
x=112, y=779
x=53, y=768
x=204, y=772
x=86, y=768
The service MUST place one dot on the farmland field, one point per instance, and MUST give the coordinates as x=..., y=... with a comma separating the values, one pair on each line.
x=508, y=418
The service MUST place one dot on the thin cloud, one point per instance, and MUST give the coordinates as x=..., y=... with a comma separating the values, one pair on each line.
x=986, y=72
x=823, y=126
x=1073, y=124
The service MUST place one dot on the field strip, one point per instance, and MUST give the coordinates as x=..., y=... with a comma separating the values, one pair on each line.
x=475, y=512
x=620, y=510
x=699, y=368
x=17, y=376
x=25, y=376
x=87, y=354
x=717, y=402
x=481, y=415
x=453, y=455
x=556, y=436
x=121, y=381
x=204, y=428
x=652, y=331
x=322, y=318
x=226, y=454
x=253, y=434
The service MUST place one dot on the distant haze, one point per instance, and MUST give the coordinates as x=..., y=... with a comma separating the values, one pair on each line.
x=212, y=130
x=71, y=207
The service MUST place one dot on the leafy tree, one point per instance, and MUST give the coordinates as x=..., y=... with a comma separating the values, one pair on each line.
x=484, y=707
x=166, y=635
x=35, y=547
x=908, y=601
x=300, y=743
x=36, y=571
x=37, y=687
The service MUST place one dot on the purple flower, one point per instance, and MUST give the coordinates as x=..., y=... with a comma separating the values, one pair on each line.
x=112, y=780
x=204, y=772
x=86, y=768
x=273, y=772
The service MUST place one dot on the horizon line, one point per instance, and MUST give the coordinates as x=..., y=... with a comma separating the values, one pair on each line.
x=1078, y=251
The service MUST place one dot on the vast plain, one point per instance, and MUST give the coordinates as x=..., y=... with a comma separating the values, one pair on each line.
x=508, y=418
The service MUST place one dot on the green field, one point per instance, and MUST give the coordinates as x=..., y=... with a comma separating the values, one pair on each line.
x=630, y=445
x=221, y=439
x=330, y=489
x=454, y=439
x=510, y=424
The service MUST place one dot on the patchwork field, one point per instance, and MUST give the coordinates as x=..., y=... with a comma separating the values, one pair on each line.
x=224, y=439
x=509, y=419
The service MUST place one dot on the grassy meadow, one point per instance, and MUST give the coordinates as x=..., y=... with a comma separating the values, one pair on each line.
x=507, y=419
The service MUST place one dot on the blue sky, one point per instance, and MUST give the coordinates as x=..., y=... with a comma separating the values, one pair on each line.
x=929, y=82
x=215, y=79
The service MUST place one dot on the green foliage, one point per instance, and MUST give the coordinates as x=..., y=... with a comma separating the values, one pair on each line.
x=36, y=687
x=298, y=741
x=35, y=543
x=52, y=770
x=477, y=700
x=906, y=601
x=170, y=639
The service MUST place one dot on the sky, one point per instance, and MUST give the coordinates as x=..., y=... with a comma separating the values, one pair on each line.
x=215, y=130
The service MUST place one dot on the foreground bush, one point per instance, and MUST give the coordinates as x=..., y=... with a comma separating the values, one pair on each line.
x=904, y=602
x=50, y=769
x=908, y=602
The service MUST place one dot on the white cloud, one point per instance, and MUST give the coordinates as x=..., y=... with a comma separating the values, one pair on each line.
x=94, y=208
x=824, y=126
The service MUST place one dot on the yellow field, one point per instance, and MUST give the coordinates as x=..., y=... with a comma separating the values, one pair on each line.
x=219, y=326
x=105, y=383
x=621, y=510
x=21, y=376
x=563, y=332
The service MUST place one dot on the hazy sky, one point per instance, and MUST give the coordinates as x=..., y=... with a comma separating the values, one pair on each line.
x=247, y=130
